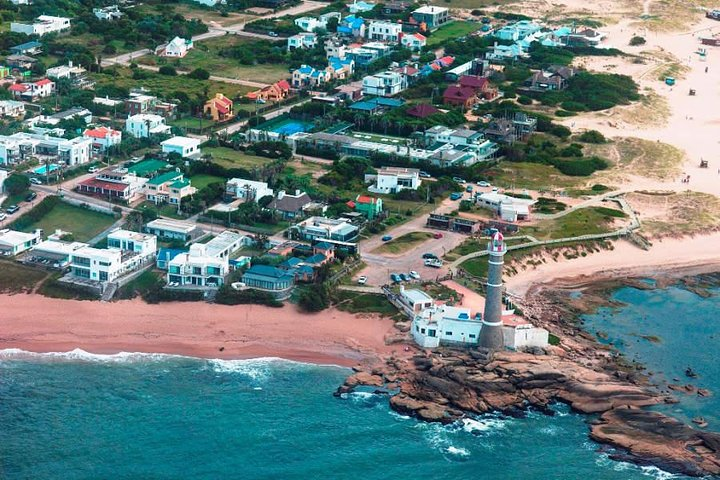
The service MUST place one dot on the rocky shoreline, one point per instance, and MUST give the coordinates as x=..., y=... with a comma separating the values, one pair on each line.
x=446, y=384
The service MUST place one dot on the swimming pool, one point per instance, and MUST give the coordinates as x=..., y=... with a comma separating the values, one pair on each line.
x=289, y=126
x=42, y=171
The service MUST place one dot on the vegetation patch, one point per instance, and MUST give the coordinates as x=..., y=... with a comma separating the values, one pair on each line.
x=403, y=243
x=451, y=31
x=676, y=215
x=17, y=278
x=354, y=302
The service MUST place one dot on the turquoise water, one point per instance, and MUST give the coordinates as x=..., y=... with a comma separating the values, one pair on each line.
x=45, y=169
x=289, y=126
x=137, y=417
x=687, y=328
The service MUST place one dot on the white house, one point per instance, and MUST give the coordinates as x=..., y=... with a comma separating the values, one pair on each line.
x=43, y=25
x=142, y=244
x=302, y=40
x=414, y=41
x=22, y=145
x=65, y=71
x=431, y=16
x=186, y=147
x=206, y=265
x=173, y=229
x=360, y=7
x=143, y=125
x=103, y=138
x=108, y=13
x=32, y=90
x=3, y=176
x=12, y=108
x=310, y=24
x=247, y=190
x=384, y=31
x=445, y=325
x=384, y=84
x=510, y=209
x=393, y=179
x=177, y=48
x=414, y=301
x=13, y=242
x=127, y=251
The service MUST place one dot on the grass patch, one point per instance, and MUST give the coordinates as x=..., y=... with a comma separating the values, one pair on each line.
x=585, y=221
x=202, y=180
x=17, y=278
x=83, y=223
x=452, y=30
x=193, y=122
x=143, y=283
x=532, y=176
x=640, y=157
x=229, y=158
x=167, y=86
x=677, y=214
x=206, y=55
x=403, y=243
x=354, y=302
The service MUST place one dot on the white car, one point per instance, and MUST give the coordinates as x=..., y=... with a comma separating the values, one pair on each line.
x=362, y=280
x=414, y=274
x=2, y=216
x=93, y=169
x=35, y=181
x=483, y=183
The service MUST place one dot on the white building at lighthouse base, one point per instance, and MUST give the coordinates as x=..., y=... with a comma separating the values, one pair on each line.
x=446, y=325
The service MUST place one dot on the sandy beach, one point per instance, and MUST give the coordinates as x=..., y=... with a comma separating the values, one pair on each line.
x=684, y=256
x=39, y=324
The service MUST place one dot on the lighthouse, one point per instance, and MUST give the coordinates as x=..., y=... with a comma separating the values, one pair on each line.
x=491, y=333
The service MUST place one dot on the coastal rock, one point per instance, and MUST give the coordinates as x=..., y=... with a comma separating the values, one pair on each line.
x=651, y=437
x=364, y=378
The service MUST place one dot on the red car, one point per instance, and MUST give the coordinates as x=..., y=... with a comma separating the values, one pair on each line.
x=437, y=235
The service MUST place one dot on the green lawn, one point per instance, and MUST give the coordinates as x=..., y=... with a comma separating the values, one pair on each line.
x=202, y=180
x=206, y=54
x=229, y=158
x=533, y=176
x=404, y=243
x=163, y=209
x=193, y=122
x=354, y=302
x=451, y=31
x=167, y=85
x=83, y=223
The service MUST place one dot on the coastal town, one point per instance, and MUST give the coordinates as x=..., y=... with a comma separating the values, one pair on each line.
x=420, y=191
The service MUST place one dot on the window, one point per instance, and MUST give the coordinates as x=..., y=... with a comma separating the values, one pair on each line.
x=422, y=330
x=449, y=334
x=472, y=335
x=431, y=332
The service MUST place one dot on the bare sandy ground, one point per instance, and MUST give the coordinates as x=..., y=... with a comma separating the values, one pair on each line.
x=666, y=256
x=39, y=324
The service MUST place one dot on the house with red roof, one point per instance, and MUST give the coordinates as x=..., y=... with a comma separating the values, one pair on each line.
x=272, y=93
x=422, y=110
x=414, y=41
x=369, y=206
x=459, y=96
x=481, y=85
x=103, y=138
x=219, y=108
x=33, y=90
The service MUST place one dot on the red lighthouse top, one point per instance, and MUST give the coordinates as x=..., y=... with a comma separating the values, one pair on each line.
x=497, y=242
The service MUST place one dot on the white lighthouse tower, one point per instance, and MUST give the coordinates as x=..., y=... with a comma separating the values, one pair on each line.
x=491, y=332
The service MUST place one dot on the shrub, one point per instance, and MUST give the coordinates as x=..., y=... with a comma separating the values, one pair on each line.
x=637, y=41
x=599, y=188
x=167, y=70
x=36, y=213
x=524, y=100
x=17, y=184
x=581, y=167
x=565, y=113
x=200, y=74
x=592, y=136
x=560, y=131
x=227, y=295
x=315, y=298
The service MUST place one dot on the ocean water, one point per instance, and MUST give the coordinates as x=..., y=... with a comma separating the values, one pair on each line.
x=668, y=330
x=132, y=416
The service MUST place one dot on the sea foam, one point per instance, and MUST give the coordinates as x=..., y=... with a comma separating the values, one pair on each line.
x=79, y=354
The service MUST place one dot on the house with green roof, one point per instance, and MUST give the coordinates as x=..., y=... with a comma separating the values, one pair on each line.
x=169, y=187
x=370, y=207
x=147, y=168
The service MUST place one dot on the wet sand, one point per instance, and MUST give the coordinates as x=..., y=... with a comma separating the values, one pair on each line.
x=39, y=324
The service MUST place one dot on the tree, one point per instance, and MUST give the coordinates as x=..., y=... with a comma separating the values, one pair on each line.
x=200, y=74
x=314, y=299
x=17, y=184
x=167, y=70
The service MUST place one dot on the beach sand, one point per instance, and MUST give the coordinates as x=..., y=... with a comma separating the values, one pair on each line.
x=39, y=324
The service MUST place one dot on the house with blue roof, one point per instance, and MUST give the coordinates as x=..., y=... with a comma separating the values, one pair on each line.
x=518, y=30
x=340, y=68
x=307, y=76
x=352, y=26
x=275, y=281
x=505, y=52
x=29, y=48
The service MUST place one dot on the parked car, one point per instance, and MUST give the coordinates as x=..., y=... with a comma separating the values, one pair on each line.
x=30, y=197
x=387, y=238
x=433, y=262
x=458, y=180
x=469, y=189
x=437, y=235
x=455, y=196
x=429, y=255
x=404, y=277
x=414, y=274
x=362, y=280
x=12, y=209
x=2, y=216
x=36, y=181
x=272, y=34
x=424, y=174
x=483, y=183
x=395, y=277
x=93, y=169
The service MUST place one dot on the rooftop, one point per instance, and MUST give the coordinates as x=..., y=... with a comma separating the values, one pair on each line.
x=171, y=225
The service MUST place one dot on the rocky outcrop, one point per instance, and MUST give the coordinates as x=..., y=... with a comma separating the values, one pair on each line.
x=445, y=385
x=652, y=438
